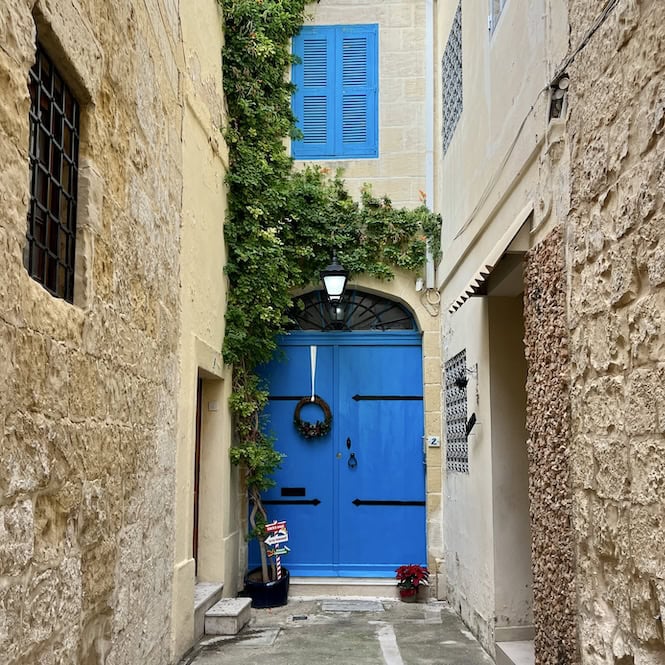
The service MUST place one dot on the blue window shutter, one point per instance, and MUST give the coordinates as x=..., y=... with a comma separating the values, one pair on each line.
x=336, y=97
x=313, y=101
x=357, y=79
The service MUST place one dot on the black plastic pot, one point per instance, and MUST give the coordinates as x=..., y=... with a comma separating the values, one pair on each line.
x=267, y=594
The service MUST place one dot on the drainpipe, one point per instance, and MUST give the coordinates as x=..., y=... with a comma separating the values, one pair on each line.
x=430, y=269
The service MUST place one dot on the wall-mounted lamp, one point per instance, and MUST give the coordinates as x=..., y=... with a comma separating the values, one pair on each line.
x=559, y=96
x=334, y=279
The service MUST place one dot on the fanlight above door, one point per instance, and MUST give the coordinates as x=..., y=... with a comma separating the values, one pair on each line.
x=358, y=310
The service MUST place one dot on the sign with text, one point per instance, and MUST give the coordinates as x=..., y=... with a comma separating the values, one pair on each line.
x=278, y=551
x=277, y=537
x=275, y=526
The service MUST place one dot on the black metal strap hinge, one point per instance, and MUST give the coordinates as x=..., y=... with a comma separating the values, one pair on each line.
x=361, y=502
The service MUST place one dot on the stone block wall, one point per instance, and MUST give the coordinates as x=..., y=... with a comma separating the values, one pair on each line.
x=399, y=170
x=87, y=391
x=617, y=309
x=548, y=426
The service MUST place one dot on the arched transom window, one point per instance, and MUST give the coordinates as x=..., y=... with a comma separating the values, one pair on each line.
x=358, y=310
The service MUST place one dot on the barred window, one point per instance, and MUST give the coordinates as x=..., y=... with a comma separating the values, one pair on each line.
x=457, y=448
x=54, y=147
x=451, y=79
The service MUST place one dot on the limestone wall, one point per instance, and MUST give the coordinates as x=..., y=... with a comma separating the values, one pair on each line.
x=617, y=304
x=87, y=391
x=548, y=426
x=203, y=304
x=399, y=170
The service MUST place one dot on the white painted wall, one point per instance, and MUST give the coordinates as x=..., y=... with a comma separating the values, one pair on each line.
x=468, y=515
x=492, y=179
x=513, y=594
x=491, y=169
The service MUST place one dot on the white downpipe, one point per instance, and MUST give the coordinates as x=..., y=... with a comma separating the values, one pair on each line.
x=429, y=127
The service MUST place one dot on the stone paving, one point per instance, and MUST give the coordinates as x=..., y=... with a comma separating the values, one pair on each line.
x=346, y=631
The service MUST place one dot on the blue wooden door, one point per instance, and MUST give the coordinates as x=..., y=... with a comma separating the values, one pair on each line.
x=381, y=497
x=354, y=500
x=304, y=490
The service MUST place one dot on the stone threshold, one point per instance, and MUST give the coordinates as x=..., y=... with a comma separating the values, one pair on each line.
x=515, y=653
x=359, y=587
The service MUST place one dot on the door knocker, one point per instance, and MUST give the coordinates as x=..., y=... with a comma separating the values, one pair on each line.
x=353, y=462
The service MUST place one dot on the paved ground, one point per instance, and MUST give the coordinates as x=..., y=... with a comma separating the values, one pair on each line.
x=346, y=632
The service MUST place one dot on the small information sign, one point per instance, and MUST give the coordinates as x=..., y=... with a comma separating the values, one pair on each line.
x=277, y=533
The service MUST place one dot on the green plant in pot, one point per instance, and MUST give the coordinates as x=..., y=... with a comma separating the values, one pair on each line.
x=409, y=578
x=255, y=454
x=259, y=271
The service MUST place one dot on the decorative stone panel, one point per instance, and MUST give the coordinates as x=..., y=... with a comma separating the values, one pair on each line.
x=548, y=427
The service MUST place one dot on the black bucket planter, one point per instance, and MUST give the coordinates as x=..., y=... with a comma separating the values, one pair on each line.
x=267, y=594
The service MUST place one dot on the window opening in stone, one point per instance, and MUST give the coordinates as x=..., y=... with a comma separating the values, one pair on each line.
x=457, y=448
x=358, y=310
x=54, y=148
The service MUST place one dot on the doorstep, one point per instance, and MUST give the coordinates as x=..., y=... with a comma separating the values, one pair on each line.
x=515, y=653
x=363, y=587
x=228, y=616
x=206, y=594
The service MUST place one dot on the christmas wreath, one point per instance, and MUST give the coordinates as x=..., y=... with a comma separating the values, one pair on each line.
x=317, y=429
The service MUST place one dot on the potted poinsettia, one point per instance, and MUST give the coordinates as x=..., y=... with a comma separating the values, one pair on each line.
x=409, y=578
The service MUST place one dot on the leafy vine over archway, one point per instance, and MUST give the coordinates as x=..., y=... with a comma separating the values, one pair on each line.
x=281, y=223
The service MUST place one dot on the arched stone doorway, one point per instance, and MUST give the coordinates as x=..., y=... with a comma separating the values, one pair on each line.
x=353, y=498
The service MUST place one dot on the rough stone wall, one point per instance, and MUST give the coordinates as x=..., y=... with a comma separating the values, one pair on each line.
x=548, y=427
x=617, y=310
x=87, y=393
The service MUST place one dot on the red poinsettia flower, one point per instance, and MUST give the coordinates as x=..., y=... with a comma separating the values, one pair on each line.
x=411, y=576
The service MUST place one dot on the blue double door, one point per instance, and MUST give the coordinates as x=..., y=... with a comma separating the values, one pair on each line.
x=354, y=499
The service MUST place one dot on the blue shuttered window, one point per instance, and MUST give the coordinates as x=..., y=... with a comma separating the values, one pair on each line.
x=336, y=101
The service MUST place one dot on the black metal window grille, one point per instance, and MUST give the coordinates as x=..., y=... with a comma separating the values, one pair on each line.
x=357, y=311
x=451, y=80
x=54, y=147
x=457, y=448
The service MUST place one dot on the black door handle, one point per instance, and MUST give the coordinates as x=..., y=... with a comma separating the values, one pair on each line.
x=353, y=462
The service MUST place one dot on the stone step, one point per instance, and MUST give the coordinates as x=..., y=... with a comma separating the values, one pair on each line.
x=515, y=653
x=206, y=594
x=228, y=616
x=325, y=587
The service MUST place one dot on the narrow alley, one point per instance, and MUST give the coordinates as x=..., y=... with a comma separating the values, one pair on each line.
x=332, y=331
x=346, y=631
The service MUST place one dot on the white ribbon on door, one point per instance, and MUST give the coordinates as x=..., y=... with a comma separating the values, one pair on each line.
x=312, y=367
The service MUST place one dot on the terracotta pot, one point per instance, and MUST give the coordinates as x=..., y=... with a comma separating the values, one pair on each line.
x=408, y=595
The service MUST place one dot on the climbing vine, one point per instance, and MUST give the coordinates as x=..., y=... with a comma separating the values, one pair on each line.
x=282, y=223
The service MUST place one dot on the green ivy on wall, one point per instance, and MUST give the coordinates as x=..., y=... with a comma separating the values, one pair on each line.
x=281, y=223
